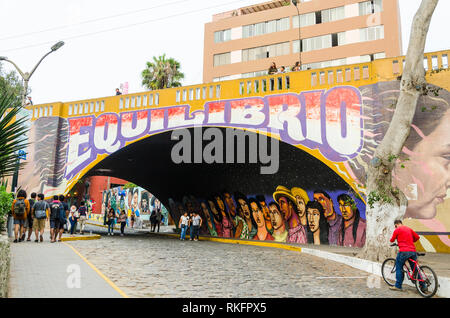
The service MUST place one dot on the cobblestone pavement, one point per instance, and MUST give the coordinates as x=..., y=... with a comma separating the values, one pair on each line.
x=149, y=266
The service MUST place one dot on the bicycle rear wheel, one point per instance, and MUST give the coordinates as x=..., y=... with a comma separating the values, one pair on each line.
x=427, y=276
x=388, y=271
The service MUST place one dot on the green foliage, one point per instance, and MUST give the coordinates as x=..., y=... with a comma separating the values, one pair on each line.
x=12, y=131
x=162, y=73
x=375, y=196
x=10, y=82
x=5, y=206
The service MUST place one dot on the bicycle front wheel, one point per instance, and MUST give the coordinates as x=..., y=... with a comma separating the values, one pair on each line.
x=388, y=271
x=426, y=277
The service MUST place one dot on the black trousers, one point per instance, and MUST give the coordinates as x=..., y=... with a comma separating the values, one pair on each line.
x=154, y=226
x=122, y=227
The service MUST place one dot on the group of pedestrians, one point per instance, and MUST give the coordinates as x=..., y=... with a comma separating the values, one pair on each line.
x=273, y=69
x=33, y=214
x=193, y=222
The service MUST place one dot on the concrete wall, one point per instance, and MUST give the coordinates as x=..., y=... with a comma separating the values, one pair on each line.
x=5, y=258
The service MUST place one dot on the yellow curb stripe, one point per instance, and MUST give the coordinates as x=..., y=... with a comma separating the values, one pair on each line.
x=81, y=238
x=117, y=289
x=233, y=241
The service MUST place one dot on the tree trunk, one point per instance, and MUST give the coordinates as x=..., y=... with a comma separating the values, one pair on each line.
x=389, y=204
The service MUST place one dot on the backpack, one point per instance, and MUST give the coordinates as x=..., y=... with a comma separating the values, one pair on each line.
x=62, y=213
x=19, y=208
x=39, y=210
x=54, y=209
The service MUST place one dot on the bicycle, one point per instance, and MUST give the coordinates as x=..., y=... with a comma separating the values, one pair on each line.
x=419, y=274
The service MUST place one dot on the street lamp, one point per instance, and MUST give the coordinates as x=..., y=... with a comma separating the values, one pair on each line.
x=295, y=2
x=26, y=78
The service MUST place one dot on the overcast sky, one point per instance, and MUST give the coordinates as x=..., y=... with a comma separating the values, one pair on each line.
x=93, y=63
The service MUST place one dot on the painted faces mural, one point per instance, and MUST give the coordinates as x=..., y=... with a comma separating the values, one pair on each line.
x=134, y=201
x=340, y=126
x=290, y=221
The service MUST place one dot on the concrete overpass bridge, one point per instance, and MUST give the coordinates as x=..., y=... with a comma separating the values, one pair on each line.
x=328, y=122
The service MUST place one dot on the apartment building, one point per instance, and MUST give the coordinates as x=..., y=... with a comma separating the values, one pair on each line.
x=244, y=42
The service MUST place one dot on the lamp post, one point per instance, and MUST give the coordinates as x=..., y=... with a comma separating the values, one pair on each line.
x=295, y=2
x=26, y=78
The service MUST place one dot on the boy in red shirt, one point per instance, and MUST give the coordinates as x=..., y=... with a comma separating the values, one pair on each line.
x=405, y=239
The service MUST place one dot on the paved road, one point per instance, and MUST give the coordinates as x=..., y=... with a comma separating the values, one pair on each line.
x=148, y=266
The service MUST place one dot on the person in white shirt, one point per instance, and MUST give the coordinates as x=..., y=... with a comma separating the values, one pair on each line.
x=183, y=224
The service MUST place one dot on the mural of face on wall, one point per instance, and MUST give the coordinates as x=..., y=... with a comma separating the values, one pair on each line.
x=353, y=231
x=245, y=208
x=317, y=222
x=301, y=199
x=279, y=228
x=129, y=198
x=230, y=203
x=265, y=210
x=424, y=177
x=325, y=200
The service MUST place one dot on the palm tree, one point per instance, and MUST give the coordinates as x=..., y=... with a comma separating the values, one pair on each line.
x=162, y=73
x=12, y=130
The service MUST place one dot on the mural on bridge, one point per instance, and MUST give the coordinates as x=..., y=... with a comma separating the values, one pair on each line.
x=287, y=215
x=136, y=201
x=341, y=127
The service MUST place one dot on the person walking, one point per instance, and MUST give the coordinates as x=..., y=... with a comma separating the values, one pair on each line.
x=20, y=210
x=55, y=225
x=183, y=224
x=123, y=222
x=110, y=221
x=63, y=216
x=132, y=218
x=153, y=220
x=41, y=213
x=196, y=224
x=406, y=238
x=158, y=218
x=191, y=226
x=82, y=216
x=29, y=223
x=73, y=218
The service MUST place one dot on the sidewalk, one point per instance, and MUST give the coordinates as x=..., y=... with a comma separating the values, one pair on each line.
x=55, y=270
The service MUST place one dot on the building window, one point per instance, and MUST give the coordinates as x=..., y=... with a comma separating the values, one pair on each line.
x=333, y=14
x=157, y=99
x=265, y=27
x=372, y=33
x=316, y=43
x=222, y=59
x=264, y=85
x=280, y=83
x=191, y=94
x=330, y=77
x=263, y=52
x=204, y=92
x=138, y=101
x=256, y=86
x=144, y=100
x=339, y=76
x=272, y=84
x=197, y=93
x=348, y=74
x=133, y=102
x=305, y=20
x=70, y=111
x=97, y=107
x=241, y=88
x=211, y=92
x=378, y=56
x=356, y=72
x=86, y=108
x=184, y=95
x=370, y=7
x=102, y=106
x=288, y=82
x=249, y=87
x=127, y=102
x=222, y=36
x=445, y=61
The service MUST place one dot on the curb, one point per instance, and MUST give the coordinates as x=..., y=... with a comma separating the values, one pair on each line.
x=81, y=238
